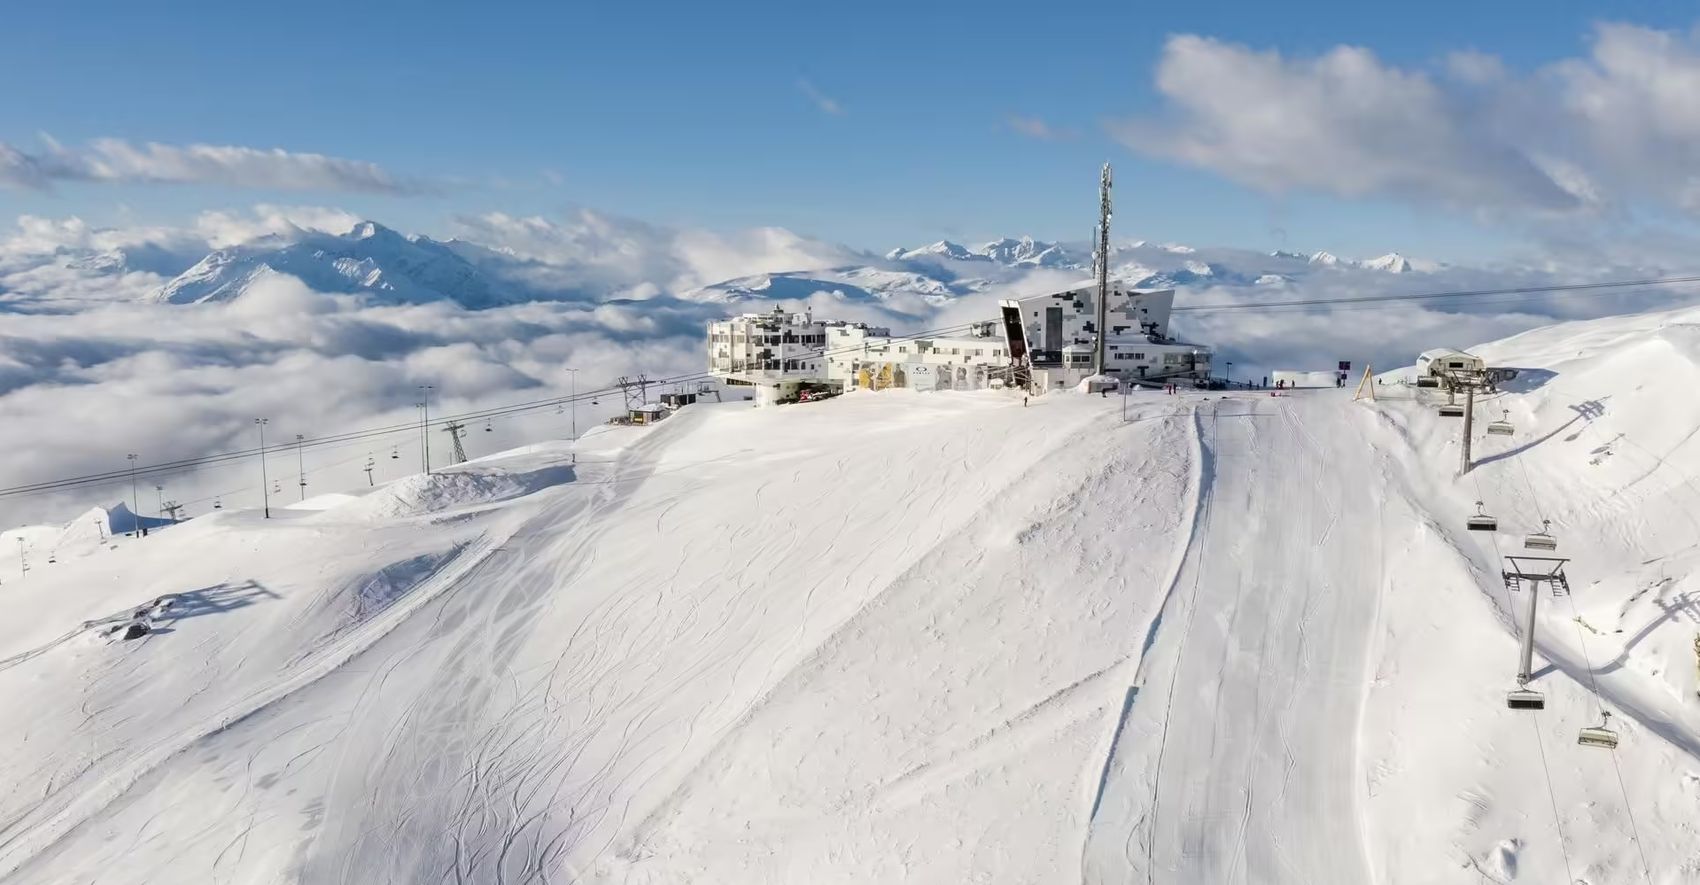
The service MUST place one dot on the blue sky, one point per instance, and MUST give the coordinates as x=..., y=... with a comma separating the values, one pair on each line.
x=698, y=114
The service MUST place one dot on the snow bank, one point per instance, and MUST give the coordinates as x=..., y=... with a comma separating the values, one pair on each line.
x=456, y=487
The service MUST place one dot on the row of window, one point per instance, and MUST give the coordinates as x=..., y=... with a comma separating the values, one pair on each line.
x=787, y=338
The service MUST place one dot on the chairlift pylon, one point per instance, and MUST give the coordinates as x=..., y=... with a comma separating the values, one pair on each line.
x=1543, y=539
x=1503, y=426
x=1482, y=522
x=1451, y=410
x=1599, y=735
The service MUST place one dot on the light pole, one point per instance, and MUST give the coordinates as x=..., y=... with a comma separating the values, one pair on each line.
x=135, y=518
x=265, y=481
x=574, y=398
x=425, y=425
x=301, y=465
x=160, y=491
x=574, y=373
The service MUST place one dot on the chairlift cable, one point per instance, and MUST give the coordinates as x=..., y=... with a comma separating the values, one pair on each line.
x=1604, y=287
x=1534, y=716
x=1593, y=685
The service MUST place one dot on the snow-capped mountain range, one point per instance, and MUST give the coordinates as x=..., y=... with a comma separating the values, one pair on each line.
x=387, y=267
x=370, y=258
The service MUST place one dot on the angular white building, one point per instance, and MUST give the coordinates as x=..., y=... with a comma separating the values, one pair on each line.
x=1047, y=339
x=1056, y=335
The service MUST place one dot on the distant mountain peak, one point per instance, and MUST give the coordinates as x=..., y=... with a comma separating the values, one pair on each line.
x=1392, y=262
x=366, y=230
x=1010, y=251
x=370, y=259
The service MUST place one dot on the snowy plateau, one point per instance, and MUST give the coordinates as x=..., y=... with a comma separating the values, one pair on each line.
x=903, y=637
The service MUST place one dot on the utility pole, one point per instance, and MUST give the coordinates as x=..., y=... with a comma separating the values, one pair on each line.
x=1103, y=262
x=425, y=424
x=1469, y=424
x=135, y=518
x=453, y=429
x=265, y=482
x=301, y=465
x=574, y=400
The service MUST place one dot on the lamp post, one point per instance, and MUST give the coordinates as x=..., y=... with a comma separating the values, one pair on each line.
x=265, y=482
x=574, y=373
x=425, y=425
x=135, y=518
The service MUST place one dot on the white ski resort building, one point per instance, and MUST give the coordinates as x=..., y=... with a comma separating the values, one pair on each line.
x=1048, y=339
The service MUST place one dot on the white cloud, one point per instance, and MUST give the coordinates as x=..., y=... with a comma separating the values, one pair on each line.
x=1616, y=126
x=825, y=103
x=594, y=250
x=84, y=366
x=1034, y=127
x=1340, y=123
x=222, y=228
x=119, y=161
x=180, y=381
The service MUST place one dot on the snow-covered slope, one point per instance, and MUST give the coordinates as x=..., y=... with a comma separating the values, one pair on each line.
x=906, y=637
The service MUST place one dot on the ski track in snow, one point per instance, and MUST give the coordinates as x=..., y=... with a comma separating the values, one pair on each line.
x=1239, y=730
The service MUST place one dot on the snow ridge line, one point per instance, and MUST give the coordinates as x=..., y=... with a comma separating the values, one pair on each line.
x=1196, y=493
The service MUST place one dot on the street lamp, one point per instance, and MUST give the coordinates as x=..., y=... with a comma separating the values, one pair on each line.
x=135, y=518
x=301, y=465
x=575, y=403
x=265, y=482
x=425, y=425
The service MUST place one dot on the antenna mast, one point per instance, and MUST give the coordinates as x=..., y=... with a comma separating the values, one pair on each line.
x=1101, y=259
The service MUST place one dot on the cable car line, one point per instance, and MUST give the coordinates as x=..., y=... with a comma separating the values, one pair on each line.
x=1604, y=287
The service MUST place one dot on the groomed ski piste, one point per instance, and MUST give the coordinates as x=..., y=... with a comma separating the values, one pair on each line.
x=902, y=637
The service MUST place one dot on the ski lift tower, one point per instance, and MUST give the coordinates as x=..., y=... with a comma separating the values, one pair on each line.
x=1468, y=382
x=1532, y=571
x=636, y=391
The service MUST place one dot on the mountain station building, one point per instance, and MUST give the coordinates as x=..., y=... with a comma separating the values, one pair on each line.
x=1047, y=340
